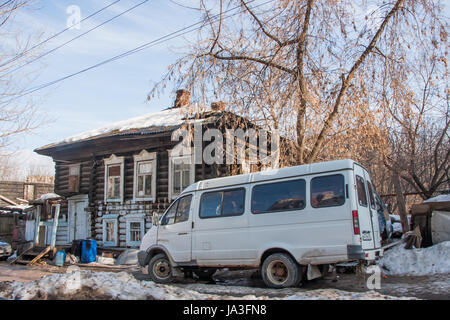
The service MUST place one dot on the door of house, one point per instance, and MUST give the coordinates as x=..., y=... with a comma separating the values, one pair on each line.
x=78, y=218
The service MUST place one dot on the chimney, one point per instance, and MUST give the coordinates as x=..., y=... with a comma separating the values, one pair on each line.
x=182, y=99
x=218, y=106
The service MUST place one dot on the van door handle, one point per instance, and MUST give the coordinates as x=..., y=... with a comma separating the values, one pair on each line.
x=182, y=233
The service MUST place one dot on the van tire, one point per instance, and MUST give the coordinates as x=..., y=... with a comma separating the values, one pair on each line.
x=279, y=270
x=205, y=274
x=160, y=269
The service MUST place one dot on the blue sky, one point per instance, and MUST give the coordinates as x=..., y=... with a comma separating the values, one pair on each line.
x=111, y=92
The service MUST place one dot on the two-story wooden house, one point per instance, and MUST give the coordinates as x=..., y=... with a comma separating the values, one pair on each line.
x=114, y=178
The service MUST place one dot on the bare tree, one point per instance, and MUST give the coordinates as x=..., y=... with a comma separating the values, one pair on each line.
x=415, y=95
x=17, y=116
x=305, y=68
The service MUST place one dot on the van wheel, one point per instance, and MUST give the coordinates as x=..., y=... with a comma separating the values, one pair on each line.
x=205, y=274
x=279, y=270
x=159, y=269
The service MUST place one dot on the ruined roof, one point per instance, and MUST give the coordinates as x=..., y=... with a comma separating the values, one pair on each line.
x=163, y=121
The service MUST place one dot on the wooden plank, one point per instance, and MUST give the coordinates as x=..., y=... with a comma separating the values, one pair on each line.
x=55, y=226
x=18, y=257
x=40, y=255
x=36, y=225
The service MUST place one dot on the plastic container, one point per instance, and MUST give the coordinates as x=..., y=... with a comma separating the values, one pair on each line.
x=60, y=258
x=88, y=251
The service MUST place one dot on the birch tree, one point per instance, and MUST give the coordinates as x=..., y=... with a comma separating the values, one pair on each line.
x=308, y=69
x=17, y=116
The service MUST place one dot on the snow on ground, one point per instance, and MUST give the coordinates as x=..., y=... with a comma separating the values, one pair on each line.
x=123, y=286
x=416, y=262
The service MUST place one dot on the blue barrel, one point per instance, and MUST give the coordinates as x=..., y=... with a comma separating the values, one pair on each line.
x=88, y=251
x=60, y=258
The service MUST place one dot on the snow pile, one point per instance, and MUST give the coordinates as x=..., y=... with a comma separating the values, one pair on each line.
x=417, y=262
x=98, y=285
x=168, y=117
x=91, y=285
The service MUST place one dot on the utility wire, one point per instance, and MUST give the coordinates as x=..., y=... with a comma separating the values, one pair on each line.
x=57, y=34
x=152, y=43
x=77, y=37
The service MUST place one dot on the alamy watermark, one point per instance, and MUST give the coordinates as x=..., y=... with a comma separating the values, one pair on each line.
x=74, y=19
x=234, y=146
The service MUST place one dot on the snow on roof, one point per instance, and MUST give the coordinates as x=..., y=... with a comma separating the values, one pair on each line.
x=165, y=118
x=49, y=196
x=440, y=198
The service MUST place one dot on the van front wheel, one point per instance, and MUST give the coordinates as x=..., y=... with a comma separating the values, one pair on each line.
x=279, y=270
x=159, y=269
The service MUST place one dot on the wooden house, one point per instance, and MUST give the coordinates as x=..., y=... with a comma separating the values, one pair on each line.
x=115, y=177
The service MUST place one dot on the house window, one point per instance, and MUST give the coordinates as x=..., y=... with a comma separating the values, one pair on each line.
x=110, y=230
x=114, y=167
x=135, y=232
x=181, y=173
x=135, y=229
x=74, y=178
x=145, y=176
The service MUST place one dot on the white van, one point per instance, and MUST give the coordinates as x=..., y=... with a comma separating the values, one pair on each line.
x=289, y=222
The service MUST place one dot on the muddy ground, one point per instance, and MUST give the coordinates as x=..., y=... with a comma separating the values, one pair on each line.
x=240, y=283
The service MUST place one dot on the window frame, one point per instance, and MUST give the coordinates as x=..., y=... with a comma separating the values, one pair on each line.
x=367, y=205
x=275, y=211
x=144, y=157
x=328, y=206
x=113, y=160
x=76, y=167
x=176, y=202
x=133, y=218
x=110, y=218
x=186, y=159
x=371, y=193
x=221, y=204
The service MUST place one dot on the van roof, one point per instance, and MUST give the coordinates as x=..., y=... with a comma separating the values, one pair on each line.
x=305, y=169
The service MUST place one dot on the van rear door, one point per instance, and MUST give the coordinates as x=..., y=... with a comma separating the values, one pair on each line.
x=365, y=215
x=373, y=210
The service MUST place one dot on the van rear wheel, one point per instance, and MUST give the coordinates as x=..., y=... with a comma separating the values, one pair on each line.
x=159, y=269
x=279, y=270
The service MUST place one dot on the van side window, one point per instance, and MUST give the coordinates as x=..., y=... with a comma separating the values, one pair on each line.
x=183, y=209
x=327, y=191
x=178, y=212
x=222, y=203
x=362, y=196
x=279, y=196
x=372, y=199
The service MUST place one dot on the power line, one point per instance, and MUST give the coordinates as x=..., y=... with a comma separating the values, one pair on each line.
x=58, y=33
x=77, y=37
x=147, y=45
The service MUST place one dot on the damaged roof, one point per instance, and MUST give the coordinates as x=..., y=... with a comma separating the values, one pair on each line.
x=167, y=120
x=150, y=123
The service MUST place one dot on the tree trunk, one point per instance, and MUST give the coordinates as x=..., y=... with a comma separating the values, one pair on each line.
x=401, y=204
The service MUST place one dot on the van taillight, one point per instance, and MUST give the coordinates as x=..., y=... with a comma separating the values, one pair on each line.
x=355, y=222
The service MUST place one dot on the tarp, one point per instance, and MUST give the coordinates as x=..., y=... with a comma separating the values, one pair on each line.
x=440, y=226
